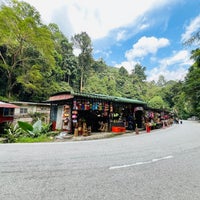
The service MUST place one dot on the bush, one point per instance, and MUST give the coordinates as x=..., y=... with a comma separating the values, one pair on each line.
x=12, y=132
x=35, y=130
x=25, y=131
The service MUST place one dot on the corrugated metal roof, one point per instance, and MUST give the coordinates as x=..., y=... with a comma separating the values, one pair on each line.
x=24, y=103
x=110, y=98
x=7, y=105
x=98, y=96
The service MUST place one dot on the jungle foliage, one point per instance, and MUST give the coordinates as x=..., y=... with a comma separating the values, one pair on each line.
x=23, y=131
x=37, y=60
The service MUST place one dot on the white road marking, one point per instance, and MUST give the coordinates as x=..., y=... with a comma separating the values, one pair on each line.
x=141, y=163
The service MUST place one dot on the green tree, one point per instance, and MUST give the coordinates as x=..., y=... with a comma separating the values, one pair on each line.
x=192, y=86
x=99, y=66
x=21, y=30
x=182, y=107
x=83, y=43
x=157, y=102
x=95, y=84
x=138, y=80
x=121, y=79
x=139, y=72
x=169, y=90
x=66, y=62
x=161, y=81
x=151, y=90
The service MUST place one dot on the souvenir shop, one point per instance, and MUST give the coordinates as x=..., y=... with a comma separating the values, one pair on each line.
x=157, y=118
x=81, y=114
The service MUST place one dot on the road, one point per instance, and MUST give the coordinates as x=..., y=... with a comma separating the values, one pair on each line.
x=162, y=165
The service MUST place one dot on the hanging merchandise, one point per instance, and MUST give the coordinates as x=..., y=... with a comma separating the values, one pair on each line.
x=74, y=116
x=66, y=111
x=82, y=106
x=111, y=108
x=79, y=105
x=116, y=115
x=74, y=112
x=100, y=107
x=95, y=106
x=74, y=105
x=66, y=121
x=105, y=113
x=65, y=115
x=87, y=105
x=66, y=125
x=74, y=121
x=152, y=115
x=106, y=107
x=90, y=106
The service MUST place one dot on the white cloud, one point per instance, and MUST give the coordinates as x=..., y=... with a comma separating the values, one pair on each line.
x=178, y=74
x=120, y=35
x=179, y=58
x=46, y=8
x=97, y=17
x=105, y=54
x=128, y=65
x=145, y=46
x=172, y=68
x=144, y=26
x=191, y=28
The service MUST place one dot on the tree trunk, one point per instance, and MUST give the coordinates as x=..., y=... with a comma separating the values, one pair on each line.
x=81, y=83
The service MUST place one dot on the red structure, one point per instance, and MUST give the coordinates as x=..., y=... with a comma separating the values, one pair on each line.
x=6, y=112
x=148, y=128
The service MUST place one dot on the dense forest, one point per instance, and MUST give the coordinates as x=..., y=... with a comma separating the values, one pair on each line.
x=37, y=60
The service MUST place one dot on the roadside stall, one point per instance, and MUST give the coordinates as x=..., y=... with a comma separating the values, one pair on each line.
x=157, y=118
x=81, y=114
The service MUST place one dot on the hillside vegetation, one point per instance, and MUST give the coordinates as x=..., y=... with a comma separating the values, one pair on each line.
x=37, y=60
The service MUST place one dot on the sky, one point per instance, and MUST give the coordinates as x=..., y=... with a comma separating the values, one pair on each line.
x=126, y=32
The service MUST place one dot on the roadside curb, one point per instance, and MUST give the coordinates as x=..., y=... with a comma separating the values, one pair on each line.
x=104, y=135
x=94, y=136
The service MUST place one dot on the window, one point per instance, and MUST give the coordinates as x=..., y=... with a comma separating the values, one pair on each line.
x=8, y=111
x=43, y=108
x=23, y=110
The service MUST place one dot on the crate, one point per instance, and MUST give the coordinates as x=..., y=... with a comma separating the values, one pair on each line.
x=118, y=129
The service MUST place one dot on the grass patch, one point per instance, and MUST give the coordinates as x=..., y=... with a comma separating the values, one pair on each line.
x=42, y=138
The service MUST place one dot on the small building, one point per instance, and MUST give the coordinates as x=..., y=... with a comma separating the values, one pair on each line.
x=26, y=111
x=6, y=114
x=71, y=111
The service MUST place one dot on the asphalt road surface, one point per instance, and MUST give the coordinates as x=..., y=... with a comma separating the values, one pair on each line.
x=164, y=164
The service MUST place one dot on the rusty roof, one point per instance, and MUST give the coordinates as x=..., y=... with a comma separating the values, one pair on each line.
x=7, y=105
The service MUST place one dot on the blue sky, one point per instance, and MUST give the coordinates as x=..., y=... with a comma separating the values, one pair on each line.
x=126, y=32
